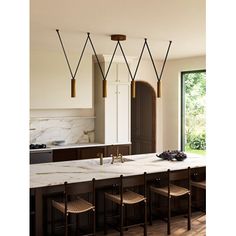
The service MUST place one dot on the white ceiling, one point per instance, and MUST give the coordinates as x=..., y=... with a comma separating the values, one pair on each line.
x=182, y=21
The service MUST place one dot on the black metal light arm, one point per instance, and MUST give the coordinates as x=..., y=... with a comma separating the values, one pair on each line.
x=141, y=54
x=127, y=64
x=111, y=60
x=167, y=52
x=151, y=58
x=100, y=67
x=82, y=53
x=57, y=30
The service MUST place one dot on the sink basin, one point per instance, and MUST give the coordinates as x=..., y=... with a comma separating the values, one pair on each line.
x=127, y=159
x=109, y=160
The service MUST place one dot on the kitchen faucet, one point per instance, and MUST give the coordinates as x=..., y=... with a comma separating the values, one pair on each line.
x=118, y=156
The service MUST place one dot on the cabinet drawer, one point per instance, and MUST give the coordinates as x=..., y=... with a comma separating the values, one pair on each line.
x=40, y=157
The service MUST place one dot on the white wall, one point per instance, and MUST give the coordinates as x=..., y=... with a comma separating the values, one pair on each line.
x=171, y=97
x=50, y=81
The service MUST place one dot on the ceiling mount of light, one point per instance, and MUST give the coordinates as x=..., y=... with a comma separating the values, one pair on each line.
x=119, y=38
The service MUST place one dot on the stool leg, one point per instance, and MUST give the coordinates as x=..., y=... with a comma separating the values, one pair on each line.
x=94, y=222
x=66, y=224
x=105, y=217
x=52, y=220
x=77, y=224
x=126, y=217
x=145, y=218
x=121, y=219
x=169, y=215
x=189, y=211
x=150, y=206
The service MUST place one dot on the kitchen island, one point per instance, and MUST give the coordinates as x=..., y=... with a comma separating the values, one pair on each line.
x=49, y=178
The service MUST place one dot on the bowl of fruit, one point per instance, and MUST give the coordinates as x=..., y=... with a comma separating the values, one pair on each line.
x=172, y=155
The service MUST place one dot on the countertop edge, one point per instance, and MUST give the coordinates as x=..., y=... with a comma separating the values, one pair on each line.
x=81, y=145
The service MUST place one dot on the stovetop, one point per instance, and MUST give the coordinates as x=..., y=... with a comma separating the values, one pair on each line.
x=37, y=146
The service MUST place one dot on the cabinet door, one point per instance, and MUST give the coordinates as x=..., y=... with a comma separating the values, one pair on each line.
x=122, y=73
x=91, y=152
x=123, y=113
x=111, y=115
x=65, y=154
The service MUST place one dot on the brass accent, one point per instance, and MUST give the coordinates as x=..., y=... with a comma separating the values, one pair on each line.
x=73, y=89
x=133, y=88
x=118, y=157
x=118, y=37
x=158, y=88
x=100, y=155
x=104, y=88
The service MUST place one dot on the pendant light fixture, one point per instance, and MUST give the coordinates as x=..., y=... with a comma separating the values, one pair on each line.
x=118, y=38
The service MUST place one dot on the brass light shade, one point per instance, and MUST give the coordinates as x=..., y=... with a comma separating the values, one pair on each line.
x=104, y=88
x=158, y=88
x=73, y=89
x=133, y=88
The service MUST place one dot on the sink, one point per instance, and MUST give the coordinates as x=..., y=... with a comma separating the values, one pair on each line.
x=127, y=159
x=108, y=161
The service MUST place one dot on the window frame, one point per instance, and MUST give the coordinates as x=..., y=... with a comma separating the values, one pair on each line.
x=182, y=112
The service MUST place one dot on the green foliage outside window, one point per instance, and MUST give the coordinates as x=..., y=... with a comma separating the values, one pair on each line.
x=195, y=123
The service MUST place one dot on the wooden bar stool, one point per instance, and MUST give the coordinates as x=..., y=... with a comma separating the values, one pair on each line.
x=74, y=204
x=173, y=191
x=127, y=197
x=198, y=182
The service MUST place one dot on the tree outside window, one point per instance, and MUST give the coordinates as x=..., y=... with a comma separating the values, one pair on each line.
x=193, y=137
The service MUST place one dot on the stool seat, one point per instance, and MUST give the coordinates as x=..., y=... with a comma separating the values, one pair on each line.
x=77, y=206
x=175, y=191
x=200, y=184
x=129, y=197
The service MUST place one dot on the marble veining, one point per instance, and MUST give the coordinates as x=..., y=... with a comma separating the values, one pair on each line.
x=49, y=174
x=71, y=129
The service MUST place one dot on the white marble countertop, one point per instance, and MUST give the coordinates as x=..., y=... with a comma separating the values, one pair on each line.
x=49, y=174
x=79, y=145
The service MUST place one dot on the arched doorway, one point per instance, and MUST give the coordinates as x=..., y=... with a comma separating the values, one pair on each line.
x=143, y=119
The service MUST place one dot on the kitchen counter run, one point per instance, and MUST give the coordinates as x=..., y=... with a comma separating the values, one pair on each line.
x=79, y=145
x=56, y=173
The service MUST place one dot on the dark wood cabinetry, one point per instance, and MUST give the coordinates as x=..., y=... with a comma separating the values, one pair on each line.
x=91, y=152
x=68, y=154
x=40, y=157
x=124, y=149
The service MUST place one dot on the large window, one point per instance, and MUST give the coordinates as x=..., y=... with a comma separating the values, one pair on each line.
x=193, y=122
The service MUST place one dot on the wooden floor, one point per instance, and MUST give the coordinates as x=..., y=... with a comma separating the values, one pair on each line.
x=178, y=227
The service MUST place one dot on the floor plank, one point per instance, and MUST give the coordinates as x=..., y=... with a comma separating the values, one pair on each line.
x=178, y=227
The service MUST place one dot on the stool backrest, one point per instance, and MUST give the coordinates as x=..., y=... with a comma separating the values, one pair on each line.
x=198, y=174
x=132, y=181
x=180, y=175
x=79, y=188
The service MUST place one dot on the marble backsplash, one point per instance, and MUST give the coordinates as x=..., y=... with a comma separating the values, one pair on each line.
x=71, y=129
